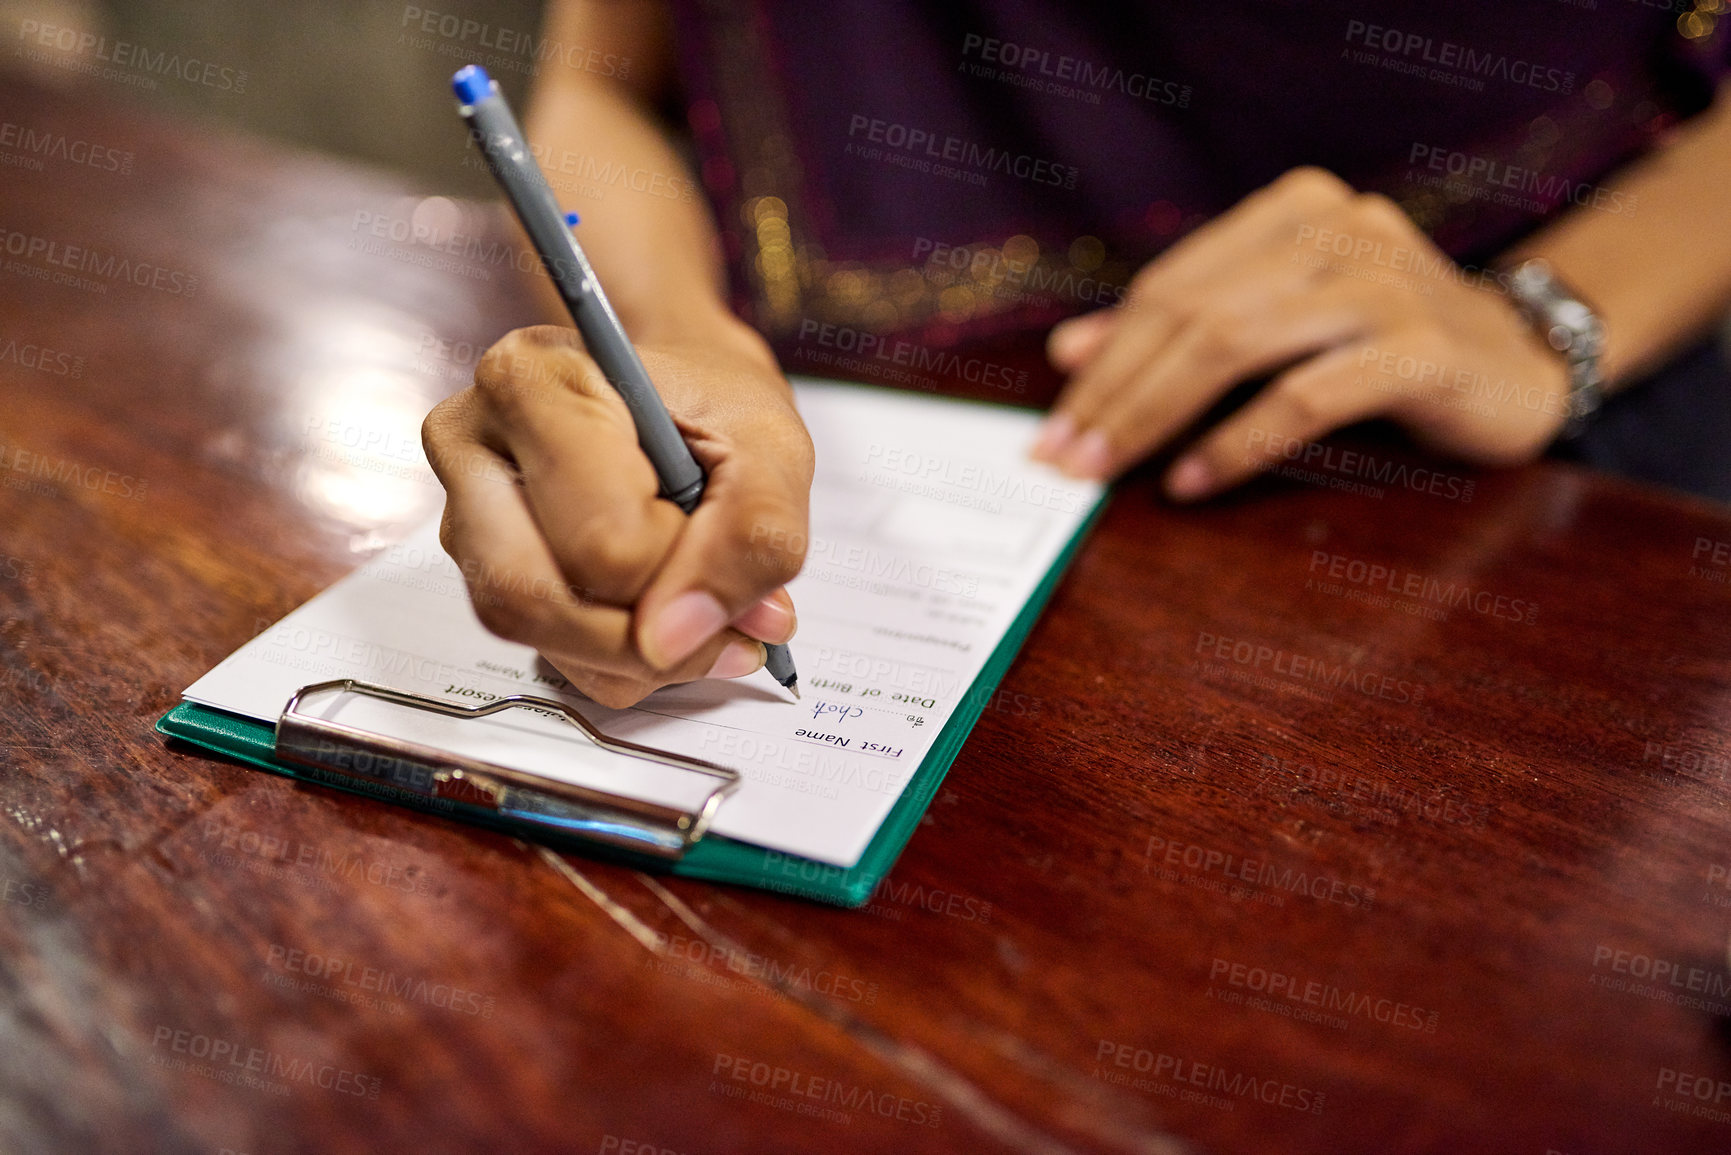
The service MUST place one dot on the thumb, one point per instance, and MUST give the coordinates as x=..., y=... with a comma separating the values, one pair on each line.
x=744, y=541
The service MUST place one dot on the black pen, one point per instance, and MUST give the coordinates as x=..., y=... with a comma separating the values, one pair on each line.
x=501, y=142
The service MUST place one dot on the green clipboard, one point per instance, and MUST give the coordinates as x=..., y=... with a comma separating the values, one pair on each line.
x=712, y=857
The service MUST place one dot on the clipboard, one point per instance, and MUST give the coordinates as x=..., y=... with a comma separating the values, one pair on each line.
x=573, y=818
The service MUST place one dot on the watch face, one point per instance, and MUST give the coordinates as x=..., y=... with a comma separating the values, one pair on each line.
x=1533, y=276
x=1573, y=314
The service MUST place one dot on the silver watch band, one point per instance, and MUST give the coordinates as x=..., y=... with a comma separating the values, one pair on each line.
x=1571, y=327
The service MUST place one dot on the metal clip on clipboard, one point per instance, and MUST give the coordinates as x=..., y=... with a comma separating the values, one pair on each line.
x=378, y=763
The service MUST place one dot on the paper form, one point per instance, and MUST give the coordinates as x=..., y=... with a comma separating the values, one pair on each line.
x=929, y=531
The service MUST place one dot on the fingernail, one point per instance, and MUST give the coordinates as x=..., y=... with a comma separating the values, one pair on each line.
x=683, y=624
x=1070, y=339
x=737, y=660
x=1056, y=433
x=1090, y=458
x=1062, y=342
x=770, y=619
x=1189, y=479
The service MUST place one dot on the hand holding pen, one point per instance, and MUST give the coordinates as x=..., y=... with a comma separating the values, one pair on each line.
x=584, y=559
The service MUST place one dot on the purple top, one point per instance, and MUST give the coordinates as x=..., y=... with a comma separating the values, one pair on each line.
x=946, y=173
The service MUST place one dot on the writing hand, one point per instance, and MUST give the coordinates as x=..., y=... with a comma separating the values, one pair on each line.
x=552, y=511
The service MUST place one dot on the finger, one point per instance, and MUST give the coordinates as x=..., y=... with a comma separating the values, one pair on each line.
x=1073, y=344
x=1274, y=317
x=771, y=620
x=1167, y=293
x=517, y=588
x=746, y=538
x=1134, y=338
x=593, y=493
x=737, y=658
x=1299, y=406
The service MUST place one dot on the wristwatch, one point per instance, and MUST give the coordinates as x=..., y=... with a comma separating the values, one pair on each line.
x=1571, y=327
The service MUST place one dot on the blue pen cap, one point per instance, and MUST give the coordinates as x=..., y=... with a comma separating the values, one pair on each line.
x=472, y=84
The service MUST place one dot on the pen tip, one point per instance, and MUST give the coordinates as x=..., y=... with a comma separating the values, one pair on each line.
x=794, y=686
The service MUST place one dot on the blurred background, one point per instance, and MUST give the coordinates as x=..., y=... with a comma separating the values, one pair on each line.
x=367, y=79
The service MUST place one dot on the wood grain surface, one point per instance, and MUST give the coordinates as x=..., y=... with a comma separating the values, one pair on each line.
x=1250, y=853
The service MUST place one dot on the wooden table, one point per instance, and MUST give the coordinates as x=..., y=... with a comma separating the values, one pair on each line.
x=1250, y=855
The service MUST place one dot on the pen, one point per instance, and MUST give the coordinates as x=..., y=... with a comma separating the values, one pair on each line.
x=482, y=105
